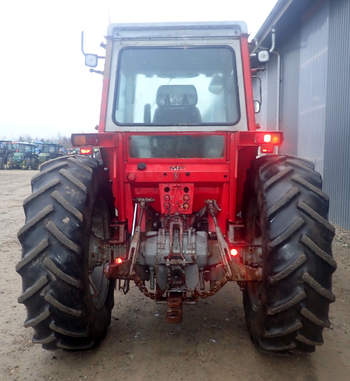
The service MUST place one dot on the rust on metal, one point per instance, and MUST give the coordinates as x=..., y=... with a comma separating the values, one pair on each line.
x=174, y=311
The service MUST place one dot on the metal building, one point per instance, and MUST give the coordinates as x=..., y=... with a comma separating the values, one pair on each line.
x=306, y=89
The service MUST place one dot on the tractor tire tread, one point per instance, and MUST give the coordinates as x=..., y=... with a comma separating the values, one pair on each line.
x=47, y=171
x=306, y=184
x=276, y=178
x=298, y=263
x=61, y=237
x=68, y=347
x=32, y=290
x=67, y=205
x=32, y=254
x=74, y=161
x=48, y=163
x=307, y=314
x=297, y=325
x=38, y=318
x=289, y=269
x=67, y=310
x=283, y=201
x=302, y=205
x=277, y=348
x=285, y=305
x=35, y=220
x=73, y=179
x=310, y=281
x=63, y=331
x=45, y=340
x=51, y=266
x=315, y=249
x=54, y=286
x=295, y=226
x=307, y=341
x=41, y=191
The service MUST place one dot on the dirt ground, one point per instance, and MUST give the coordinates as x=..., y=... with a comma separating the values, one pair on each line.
x=211, y=343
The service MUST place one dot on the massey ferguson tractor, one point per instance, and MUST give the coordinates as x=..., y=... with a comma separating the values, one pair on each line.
x=188, y=195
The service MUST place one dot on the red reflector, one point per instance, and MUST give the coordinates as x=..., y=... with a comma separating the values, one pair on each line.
x=85, y=150
x=233, y=252
x=266, y=148
x=118, y=261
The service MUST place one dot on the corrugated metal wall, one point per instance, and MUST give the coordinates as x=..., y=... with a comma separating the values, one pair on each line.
x=314, y=45
x=312, y=83
x=289, y=92
x=337, y=136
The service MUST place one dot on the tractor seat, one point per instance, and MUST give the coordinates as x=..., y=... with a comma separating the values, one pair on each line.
x=177, y=105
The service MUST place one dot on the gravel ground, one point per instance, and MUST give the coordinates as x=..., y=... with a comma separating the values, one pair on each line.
x=211, y=343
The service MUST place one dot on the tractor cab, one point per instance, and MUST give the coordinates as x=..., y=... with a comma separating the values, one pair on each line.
x=192, y=82
x=48, y=151
x=6, y=147
x=23, y=156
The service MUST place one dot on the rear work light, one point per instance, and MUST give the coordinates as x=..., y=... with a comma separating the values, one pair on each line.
x=268, y=138
x=85, y=150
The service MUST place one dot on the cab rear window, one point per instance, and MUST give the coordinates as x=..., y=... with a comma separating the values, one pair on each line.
x=177, y=86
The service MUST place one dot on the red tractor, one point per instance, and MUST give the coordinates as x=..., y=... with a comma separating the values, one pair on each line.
x=186, y=195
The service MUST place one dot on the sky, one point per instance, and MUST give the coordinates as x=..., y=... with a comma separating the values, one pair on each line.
x=45, y=89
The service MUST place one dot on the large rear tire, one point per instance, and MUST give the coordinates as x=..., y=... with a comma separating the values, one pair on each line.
x=287, y=211
x=68, y=303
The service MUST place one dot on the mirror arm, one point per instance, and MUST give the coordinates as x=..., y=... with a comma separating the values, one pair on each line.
x=82, y=43
x=96, y=71
x=82, y=46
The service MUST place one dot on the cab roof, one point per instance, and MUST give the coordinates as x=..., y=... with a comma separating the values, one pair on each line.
x=177, y=30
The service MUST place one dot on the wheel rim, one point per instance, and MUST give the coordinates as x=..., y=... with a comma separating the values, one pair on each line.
x=98, y=283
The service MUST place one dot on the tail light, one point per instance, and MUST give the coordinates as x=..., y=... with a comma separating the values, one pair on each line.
x=268, y=141
x=85, y=150
x=118, y=261
x=233, y=252
x=267, y=148
x=268, y=138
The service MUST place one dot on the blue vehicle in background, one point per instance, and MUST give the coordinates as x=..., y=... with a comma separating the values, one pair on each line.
x=48, y=151
x=22, y=156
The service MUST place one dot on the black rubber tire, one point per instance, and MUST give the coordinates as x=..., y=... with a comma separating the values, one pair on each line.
x=287, y=209
x=54, y=265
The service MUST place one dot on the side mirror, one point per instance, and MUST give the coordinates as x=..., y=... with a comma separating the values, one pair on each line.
x=257, y=106
x=91, y=60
